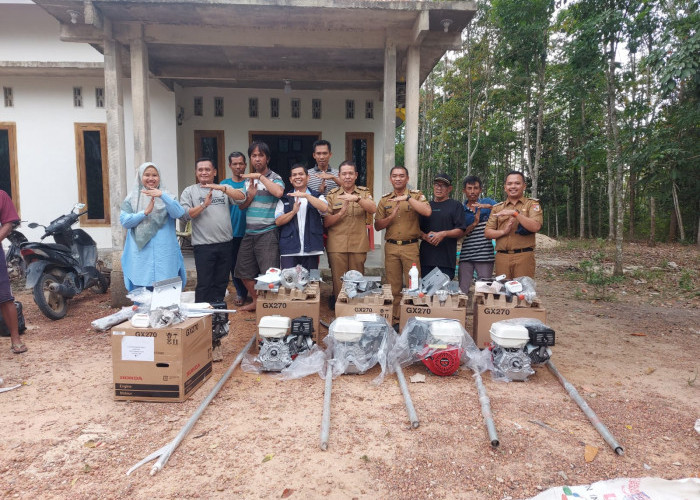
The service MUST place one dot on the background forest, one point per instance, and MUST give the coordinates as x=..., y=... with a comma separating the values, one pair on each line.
x=597, y=101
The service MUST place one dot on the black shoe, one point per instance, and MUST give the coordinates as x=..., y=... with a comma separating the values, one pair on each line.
x=331, y=302
x=396, y=327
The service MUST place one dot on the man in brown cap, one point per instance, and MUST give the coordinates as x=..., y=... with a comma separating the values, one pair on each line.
x=398, y=212
x=513, y=224
x=349, y=207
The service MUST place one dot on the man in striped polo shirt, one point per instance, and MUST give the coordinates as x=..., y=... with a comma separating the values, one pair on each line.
x=260, y=245
x=477, y=252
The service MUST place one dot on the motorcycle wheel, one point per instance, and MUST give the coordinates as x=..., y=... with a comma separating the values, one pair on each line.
x=53, y=305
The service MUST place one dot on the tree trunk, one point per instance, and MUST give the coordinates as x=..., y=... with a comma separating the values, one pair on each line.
x=588, y=209
x=672, y=226
x=568, y=211
x=582, y=221
x=677, y=209
x=652, y=222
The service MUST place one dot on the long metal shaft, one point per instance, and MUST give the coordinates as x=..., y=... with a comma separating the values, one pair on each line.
x=486, y=410
x=412, y=416
x=167, y=450
x=600, y=427
x=326, y=421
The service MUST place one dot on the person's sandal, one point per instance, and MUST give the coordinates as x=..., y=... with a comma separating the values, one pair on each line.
x=18, y=348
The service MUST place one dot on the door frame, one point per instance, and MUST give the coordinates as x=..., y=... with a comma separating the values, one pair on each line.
x=11, y=128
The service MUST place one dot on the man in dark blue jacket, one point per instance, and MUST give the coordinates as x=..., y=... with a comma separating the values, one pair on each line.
x=298, y=215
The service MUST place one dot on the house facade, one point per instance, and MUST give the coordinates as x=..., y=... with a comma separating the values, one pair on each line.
x=93, y=88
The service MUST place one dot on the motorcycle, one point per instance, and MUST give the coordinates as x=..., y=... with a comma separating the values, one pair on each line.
x=59, y=271
x=16, y=268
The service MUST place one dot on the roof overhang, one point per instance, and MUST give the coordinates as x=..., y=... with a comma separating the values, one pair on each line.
x=317, y=44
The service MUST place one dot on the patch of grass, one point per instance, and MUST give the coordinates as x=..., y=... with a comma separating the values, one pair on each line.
x=686, y=281
x=647, y=274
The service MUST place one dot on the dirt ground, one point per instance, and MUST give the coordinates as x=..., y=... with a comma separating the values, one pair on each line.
x=631, y=348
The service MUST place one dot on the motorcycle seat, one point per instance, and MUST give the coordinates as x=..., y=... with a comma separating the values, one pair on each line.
x=54, y=246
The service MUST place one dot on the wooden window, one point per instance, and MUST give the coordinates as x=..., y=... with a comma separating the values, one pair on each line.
x=349, y=109
x=8, y=161
x=296, y=107
x=9, y=100
x=99, y=97
x=369, y=110
x=252, y=107
x=218, y=106
x=78, y=97
x=210, y=144
x=316, y=109
x=274, y=107
x=93, y=172
x=198, y=106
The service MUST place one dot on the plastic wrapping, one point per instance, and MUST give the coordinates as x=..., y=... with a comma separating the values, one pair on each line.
x=141, y=296
x=104, y=324
x=161, y=317
x=529, y=293
x=294, y=277
x=357, y=343
x=306, y=363
x=423, y=339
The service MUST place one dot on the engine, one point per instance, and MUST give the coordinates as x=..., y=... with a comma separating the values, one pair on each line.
x=437, y=343
x=278, y=346
x=357, y=342
x=516, y=346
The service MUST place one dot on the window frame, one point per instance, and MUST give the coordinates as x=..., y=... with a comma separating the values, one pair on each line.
x=80, y=128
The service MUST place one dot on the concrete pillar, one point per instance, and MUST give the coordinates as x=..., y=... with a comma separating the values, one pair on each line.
x=116, y=158
x=412, y=110
x=389, y=110
x=140, y=99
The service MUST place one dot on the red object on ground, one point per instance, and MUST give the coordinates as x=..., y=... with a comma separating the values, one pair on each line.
x=444, y=363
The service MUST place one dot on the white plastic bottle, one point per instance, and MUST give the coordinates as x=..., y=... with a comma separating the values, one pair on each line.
x=413, y=278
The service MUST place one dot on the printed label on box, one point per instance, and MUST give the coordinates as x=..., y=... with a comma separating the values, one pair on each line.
x=138, y=348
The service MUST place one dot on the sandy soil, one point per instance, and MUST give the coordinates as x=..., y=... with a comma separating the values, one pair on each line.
x=633, y=357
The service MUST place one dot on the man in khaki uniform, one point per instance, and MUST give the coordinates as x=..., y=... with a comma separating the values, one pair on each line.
x=513, y=224
x=398, y=213
x=349, y=208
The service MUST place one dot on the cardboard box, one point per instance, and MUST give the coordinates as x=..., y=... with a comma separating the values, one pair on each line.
x=371, y=304
x=292, y=304
x=429, y=306
x=161, y=364
x=489, y=308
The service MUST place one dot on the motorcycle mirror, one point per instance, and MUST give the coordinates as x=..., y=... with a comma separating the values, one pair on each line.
x=33, y=225
x=78, y=206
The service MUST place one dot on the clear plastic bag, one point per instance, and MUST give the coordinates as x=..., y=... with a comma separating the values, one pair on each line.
x=306, y=363
x=357, y=343
x=141, y=296
x=423, y=337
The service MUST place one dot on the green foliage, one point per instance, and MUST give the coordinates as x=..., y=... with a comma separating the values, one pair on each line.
x=476, y=103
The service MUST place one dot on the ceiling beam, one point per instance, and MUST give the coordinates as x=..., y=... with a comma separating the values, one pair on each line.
x=421, y=27
x=170, y=34
x=92, y=15
x=207, y=72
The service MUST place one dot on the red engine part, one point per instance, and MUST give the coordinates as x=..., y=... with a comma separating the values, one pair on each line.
x=444, y=363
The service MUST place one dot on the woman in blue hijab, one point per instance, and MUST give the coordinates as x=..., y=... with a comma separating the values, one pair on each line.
x=151, y=251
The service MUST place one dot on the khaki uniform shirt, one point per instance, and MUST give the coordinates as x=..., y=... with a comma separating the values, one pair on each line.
x=529, y=207
x=406, y=225
x=349, y=234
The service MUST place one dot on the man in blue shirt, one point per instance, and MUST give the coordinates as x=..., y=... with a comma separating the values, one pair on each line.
x=237, y=164
x=477, y=251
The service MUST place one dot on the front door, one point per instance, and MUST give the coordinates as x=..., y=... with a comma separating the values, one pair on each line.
x=288, y=148
x=359, y=147
x=8, y=161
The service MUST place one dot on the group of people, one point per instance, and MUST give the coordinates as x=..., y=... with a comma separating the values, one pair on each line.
x=426, y=233
x=250, y=222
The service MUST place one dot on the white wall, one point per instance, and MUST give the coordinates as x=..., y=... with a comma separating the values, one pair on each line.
x=44, y=116
x=28, y=33
x=236, y=124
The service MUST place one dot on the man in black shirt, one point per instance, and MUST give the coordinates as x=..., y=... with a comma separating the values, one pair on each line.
x=441, y=230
